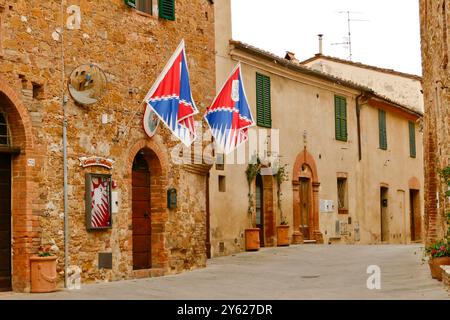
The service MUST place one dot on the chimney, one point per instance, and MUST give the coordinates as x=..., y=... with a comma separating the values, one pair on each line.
x=290, y=56
x=320, y=43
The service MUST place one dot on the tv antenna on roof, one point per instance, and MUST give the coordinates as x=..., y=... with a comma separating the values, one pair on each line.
x=348, y=40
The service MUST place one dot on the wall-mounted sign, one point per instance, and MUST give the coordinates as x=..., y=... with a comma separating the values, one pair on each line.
x=151, y=125
x=96, y=162
x=98, y=201
x=87, y=84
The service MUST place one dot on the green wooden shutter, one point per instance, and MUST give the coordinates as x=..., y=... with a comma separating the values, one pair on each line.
x=340, y=112
x=382, y=129
x=412, y=139
x=263, y=101
x=167, y=9
x=131, y=3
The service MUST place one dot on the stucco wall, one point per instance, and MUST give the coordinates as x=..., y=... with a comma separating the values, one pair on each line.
x=401, y=89
x=306, y=104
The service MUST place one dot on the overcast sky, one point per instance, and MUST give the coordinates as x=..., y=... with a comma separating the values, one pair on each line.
x=390, y=38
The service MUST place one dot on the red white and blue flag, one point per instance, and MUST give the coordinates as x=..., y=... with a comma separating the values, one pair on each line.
x=171, y=99
x=229, y=116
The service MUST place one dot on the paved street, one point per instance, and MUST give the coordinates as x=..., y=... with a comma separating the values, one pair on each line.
x=296, y=272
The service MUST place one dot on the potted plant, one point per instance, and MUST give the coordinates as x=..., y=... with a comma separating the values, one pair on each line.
x=439, y=255
x=281, y=175
x=43, y=271
x=252, y=242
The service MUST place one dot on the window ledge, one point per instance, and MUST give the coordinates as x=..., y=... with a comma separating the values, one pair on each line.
x=144, y=14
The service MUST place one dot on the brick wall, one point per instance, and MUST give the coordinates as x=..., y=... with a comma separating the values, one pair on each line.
x=435, y=19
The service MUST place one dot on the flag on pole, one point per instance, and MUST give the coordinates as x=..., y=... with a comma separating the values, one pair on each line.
x=171, y=99
x=229, y=116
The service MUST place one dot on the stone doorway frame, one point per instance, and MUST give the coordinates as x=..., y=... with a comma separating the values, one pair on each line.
x=158, y=165
x=25, y=221
x=305, y=167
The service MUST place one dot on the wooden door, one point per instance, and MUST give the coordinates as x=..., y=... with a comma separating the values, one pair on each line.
x=5, y=222
x=384, y=214
x=415, y=216
x=305, y=206
x=141, y=214
x=260, y=209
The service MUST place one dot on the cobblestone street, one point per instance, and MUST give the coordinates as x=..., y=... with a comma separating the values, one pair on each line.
x=295, y=272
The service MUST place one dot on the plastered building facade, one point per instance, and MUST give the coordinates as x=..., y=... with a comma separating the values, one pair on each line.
x=382, y=187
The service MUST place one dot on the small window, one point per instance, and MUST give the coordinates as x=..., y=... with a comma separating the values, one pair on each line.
x=222, y=186
x=412, y=140
x=220, y=161
x=4, y=131
x=263, y=101
x=382, y=129
x=146, y=6
x=167, y=9
x=340, y=109
x=342, y=195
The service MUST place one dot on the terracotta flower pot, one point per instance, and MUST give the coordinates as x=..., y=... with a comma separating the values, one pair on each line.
x=43, y=274
x=435, y=266
x=283, y=236
x=252, y=239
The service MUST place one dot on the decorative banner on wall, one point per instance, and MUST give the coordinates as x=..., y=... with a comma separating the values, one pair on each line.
x=96, y=161
x=98, y=201
x=229, y=116
x=171, y=99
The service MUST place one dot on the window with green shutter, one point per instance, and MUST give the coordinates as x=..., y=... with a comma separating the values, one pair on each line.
x=412, y=139
x=263, y=101
x=167, y=9
x=340, y=110
x=382, y=129
x=131, y=3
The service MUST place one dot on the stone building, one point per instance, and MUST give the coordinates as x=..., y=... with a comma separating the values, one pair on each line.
x=353, y=156
x=435, y=22
x=41, y=43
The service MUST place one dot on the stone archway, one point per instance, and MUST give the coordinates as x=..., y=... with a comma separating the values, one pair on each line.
x=156, y=164
x=25, y=226
x=305, y=177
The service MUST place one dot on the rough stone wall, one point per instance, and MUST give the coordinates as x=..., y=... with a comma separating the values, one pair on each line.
x=435, y=22
x=132, y=49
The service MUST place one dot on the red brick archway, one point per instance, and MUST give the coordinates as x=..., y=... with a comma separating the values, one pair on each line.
x=25, y=225
x=305, y=167
x=158, y=165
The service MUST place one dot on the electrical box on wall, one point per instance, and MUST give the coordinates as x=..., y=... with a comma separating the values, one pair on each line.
x=115, y=202
x=326, y=205
x=171, y=198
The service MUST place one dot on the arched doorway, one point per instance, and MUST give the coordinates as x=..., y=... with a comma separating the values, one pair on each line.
x=5, y=208
x=19, y=229
x=305, y=187
x=142, y=227
x=265, y=217
x=148, y=214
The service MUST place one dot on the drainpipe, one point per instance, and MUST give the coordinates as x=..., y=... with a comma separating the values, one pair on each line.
x=358, y=123
x=64, y=138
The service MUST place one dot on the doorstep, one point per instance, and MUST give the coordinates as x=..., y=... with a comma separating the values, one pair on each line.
x=148, y=273
x=446, y=276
